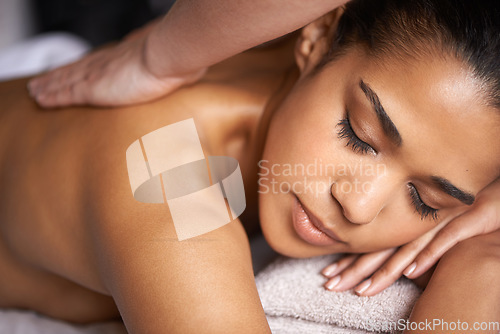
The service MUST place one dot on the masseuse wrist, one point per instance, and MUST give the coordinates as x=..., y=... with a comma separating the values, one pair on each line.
x=153, y=58
x=162, y=58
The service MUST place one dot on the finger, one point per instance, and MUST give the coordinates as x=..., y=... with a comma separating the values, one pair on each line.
x=363, y=267
x=77, y=71
x=465, y=226
x=339, y=265
x=33, y=85
x=391, y=270
x=37, y=85
x=73, y=94
x=52, y=80
x=71, y=74
x=61, y=76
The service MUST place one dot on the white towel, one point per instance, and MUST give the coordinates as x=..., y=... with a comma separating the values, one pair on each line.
x=293, y=297
x=291, y=290
x=40, y=53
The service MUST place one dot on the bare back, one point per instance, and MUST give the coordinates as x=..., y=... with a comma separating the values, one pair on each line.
x=68, y=219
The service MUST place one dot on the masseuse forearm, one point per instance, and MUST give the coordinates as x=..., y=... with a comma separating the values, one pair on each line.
x=199, y=33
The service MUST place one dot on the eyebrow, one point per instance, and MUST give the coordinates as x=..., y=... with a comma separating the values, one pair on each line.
x=446, y=186
x=388, y=126
x=392, y=133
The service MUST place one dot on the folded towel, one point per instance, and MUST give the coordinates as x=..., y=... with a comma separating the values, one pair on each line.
x=291, y=290
x=293, y=297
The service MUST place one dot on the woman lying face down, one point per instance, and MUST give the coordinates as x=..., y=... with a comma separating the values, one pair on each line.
x=398, y=117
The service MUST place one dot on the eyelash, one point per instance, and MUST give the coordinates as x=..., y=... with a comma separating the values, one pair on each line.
x=359, y=146
x=423, y=209
x=356, y=144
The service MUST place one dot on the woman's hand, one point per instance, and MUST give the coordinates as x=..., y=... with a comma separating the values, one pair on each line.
x=418, y=256
x=112, y=76
x=384, y=267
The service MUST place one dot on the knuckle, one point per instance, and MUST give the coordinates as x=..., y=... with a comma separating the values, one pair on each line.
x=358, y=269
x=448, y=234
x=353, y=277
x=71, y=90
x=386, y=273
x=429, y=253
x=92, y=76
x=488, y=215
x=413, y=246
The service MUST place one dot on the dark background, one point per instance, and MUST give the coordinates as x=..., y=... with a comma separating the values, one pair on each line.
x=96, y=21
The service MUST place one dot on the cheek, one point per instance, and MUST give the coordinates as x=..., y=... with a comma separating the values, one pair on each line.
x=400, y=225
x=300, y=134
x=407, y=226
x=306, y=122
x=273, y=216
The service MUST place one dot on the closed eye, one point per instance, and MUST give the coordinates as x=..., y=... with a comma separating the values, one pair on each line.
x=353, y=141
x=423, y=209
x=359, y=146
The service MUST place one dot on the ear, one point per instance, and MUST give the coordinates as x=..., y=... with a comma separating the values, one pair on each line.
x=315, y=39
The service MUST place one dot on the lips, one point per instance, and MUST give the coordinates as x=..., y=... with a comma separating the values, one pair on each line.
x=309, y=228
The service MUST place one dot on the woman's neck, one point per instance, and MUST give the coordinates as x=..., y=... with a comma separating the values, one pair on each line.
x=251, y=153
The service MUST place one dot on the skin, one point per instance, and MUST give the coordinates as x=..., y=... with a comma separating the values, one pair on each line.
x=103, y=248
x=387, y=265
x=463, y=288
x=174, y=51
x=136, y=70
x=420, y=101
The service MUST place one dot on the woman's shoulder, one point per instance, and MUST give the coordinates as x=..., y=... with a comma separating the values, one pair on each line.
x=156, y=191
x=161, y=283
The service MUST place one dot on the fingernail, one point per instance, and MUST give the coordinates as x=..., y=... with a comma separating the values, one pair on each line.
x=363, y=286
x=328, y=271
x=333, y=282
x=410, y=269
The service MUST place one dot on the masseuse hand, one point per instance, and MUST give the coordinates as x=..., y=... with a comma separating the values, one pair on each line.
x=418, y=256
x=112, y=76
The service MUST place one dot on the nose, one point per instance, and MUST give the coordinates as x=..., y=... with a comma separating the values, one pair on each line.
x=363, y=199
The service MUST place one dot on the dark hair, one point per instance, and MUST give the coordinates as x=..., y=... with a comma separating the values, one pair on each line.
x=466, y=29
